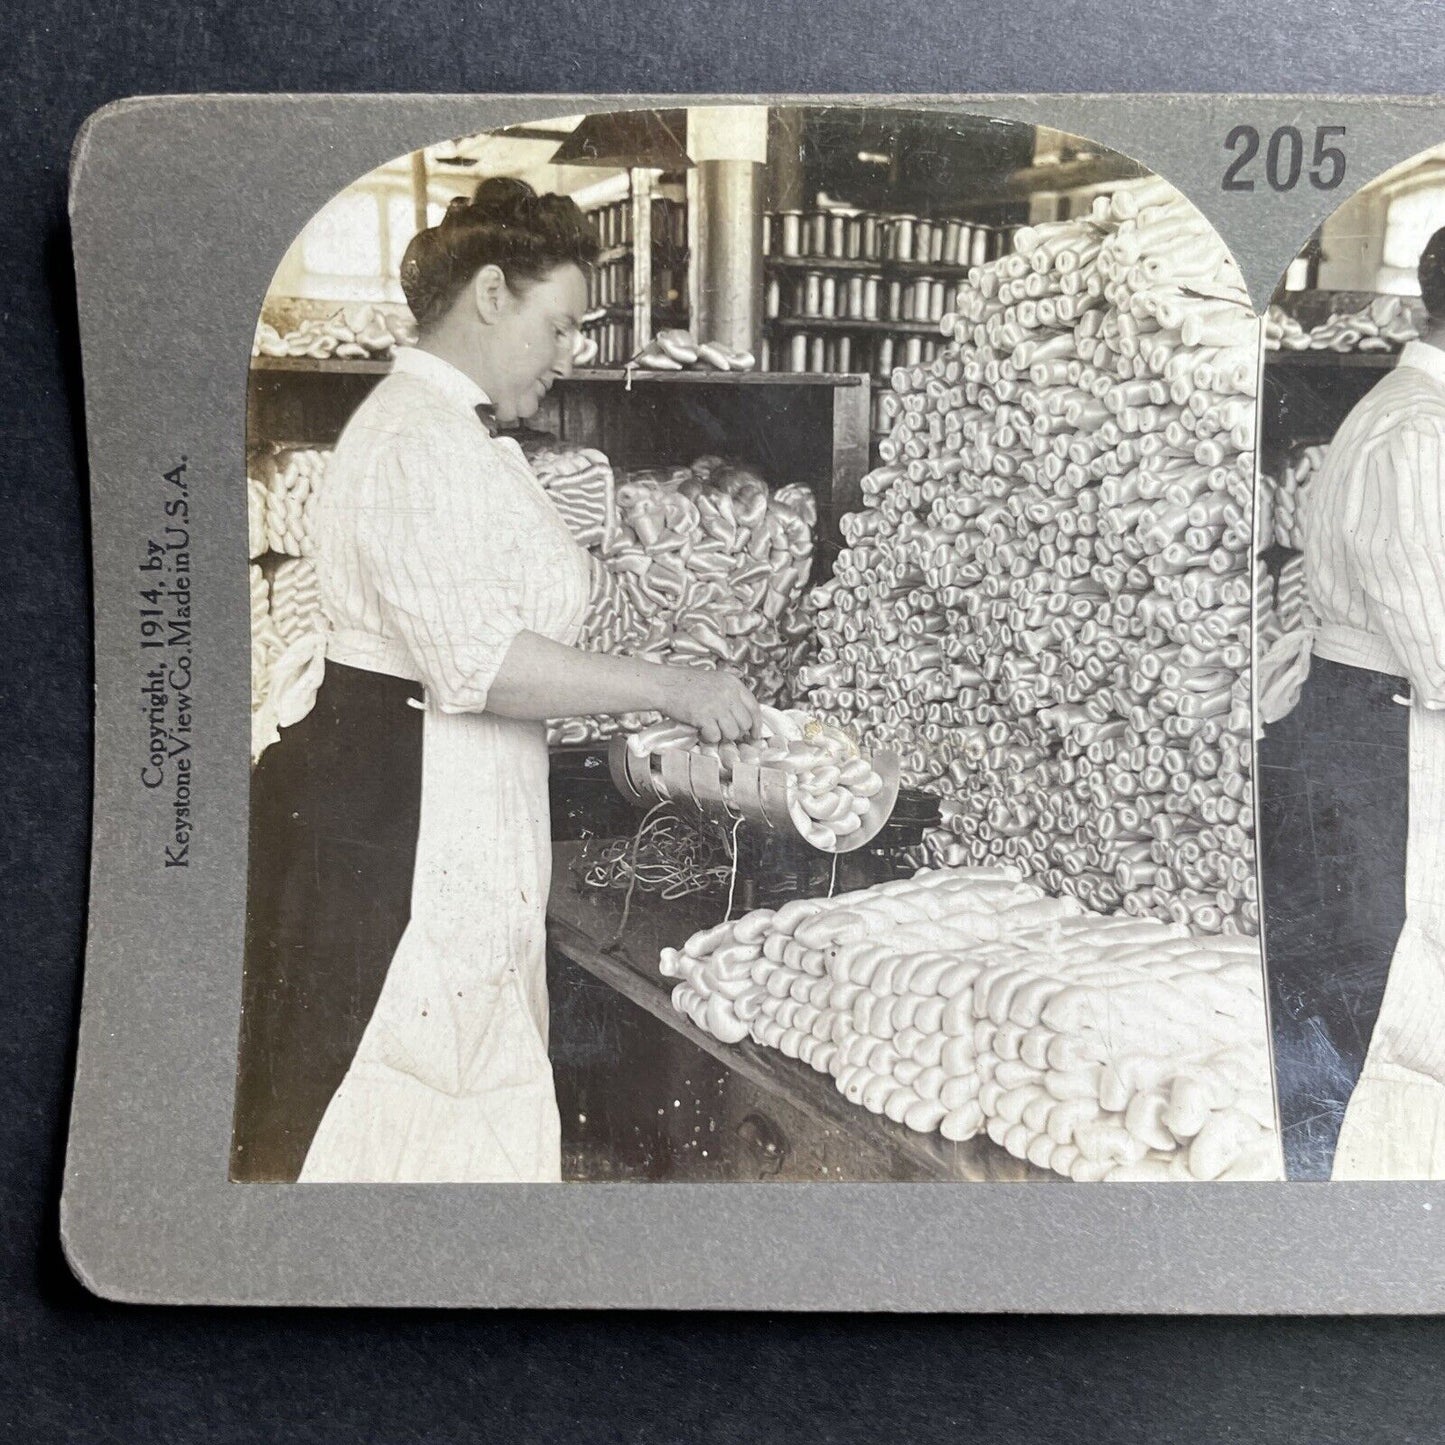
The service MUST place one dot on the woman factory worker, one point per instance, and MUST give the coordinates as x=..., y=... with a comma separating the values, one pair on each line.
x=400, y=837
x=1369, y=735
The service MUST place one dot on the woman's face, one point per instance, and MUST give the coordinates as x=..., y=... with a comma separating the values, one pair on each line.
x=528, y=335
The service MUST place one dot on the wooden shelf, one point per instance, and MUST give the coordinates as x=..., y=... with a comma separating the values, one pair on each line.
x=715, y=378
x=1362, y=360
x=330, y=366
x=841, y=323
x=940, y=269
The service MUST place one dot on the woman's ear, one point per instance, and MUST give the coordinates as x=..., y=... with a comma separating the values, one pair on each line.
x=489, y=292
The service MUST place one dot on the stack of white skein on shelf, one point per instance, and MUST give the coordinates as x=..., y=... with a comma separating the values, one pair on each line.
x=265, y=640
x=966, y=1001
x=285, y=607
x=580, y=483
x=288, y=479
x=680, y=350
x=360, y=332
x=1284, y=494
x=1283, y=615
x=1385, y=323
x=1283, y=624
x=705, y=567
x=1044, y=606
x=295, y=599
x=282, y=486
x=1282, y=332
x=1266, y=623
x=256, y=516
x=1291, y=598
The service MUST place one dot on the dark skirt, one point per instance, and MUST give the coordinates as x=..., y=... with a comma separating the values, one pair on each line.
x=1334, y=803
x=335, y=809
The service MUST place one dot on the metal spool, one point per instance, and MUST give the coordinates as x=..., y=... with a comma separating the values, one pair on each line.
x=757, y=793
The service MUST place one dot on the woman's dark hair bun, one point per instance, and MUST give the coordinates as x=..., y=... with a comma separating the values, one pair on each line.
x=505, y=223
x=1432, y=275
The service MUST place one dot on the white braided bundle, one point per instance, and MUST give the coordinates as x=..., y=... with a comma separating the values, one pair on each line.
x=295, y=599
x=1267, y=625
x=703, y=567
x=580, y=482
x=965, y=1001
x=1283, y=615
x=290, y=480
x=1292, y=604
x=1288, y=493
x=256, y=517
x=265, y=640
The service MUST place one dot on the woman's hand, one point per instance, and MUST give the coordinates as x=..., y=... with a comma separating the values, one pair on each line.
x=716, y=703
x=540, y=678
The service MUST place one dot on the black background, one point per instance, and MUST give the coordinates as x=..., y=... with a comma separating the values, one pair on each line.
x=75, y=1368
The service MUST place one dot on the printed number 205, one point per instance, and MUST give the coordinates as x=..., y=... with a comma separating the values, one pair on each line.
x=1284, y=158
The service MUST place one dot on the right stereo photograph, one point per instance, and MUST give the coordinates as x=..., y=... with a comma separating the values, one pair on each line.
x=1350, y=684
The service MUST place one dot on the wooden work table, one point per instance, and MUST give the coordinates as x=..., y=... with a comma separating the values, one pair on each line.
x=583, y=925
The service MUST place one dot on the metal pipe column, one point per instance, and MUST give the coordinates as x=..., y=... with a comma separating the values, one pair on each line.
x=729, y=146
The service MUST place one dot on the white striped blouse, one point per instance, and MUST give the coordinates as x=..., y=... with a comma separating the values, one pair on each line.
x=1374, y=529
x=435, y=544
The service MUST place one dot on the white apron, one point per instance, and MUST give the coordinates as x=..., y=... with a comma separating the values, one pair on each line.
x=451, y=1081
x=1394, y=1126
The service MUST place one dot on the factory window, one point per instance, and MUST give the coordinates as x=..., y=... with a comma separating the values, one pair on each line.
x=1413, y=217
x=352, y=249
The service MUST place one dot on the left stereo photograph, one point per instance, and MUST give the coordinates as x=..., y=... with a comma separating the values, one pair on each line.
x=750, y=664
